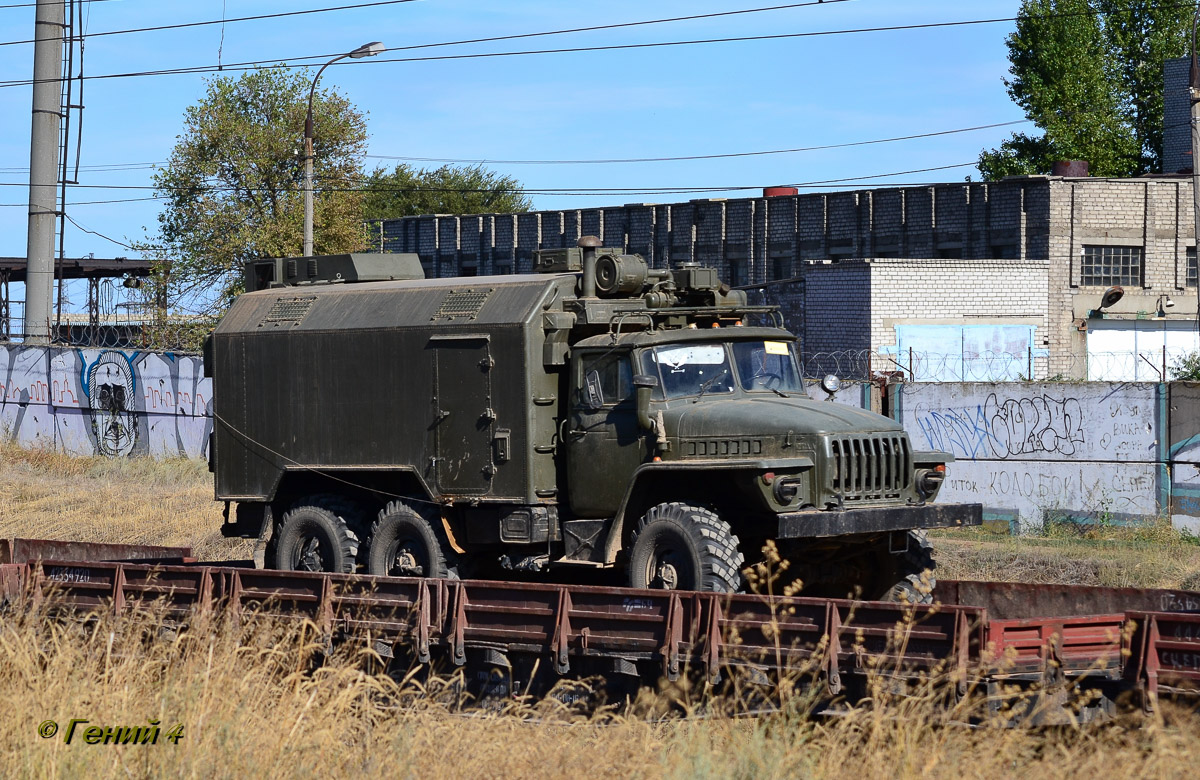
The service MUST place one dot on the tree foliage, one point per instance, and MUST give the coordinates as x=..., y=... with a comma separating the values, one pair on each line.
x=468, y=189
x=1186, y=368
x=233, y=186
x=1088, y=73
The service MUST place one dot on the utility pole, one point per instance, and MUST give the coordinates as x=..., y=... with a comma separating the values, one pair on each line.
x=43, y=168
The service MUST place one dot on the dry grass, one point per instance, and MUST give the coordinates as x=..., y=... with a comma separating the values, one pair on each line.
x=49, y=495
x=256, y=701
x=1153, y=556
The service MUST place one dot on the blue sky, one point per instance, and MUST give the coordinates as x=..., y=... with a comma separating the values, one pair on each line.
x=653, y=102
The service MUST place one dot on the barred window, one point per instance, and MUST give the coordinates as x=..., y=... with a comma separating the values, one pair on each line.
x=1191, y=266
x=1104, y=266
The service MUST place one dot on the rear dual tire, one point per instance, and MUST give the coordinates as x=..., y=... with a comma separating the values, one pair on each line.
x=316, y=534
x=404, y=543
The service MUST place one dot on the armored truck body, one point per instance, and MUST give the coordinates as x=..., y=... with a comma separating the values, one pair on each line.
x=599, y=414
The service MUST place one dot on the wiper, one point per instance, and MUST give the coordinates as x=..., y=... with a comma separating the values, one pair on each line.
x=778, y=392
x=704, y=388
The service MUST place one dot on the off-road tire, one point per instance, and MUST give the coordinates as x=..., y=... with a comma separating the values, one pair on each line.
x=316, y=534
x=700, y=547
x=910, y=584
x=399, y=525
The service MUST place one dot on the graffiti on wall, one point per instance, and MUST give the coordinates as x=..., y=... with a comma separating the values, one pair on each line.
x=1034, y=420
x=1031, y=452
x=105, y=402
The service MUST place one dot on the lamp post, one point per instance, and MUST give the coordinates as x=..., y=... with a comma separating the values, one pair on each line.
x=366, y=50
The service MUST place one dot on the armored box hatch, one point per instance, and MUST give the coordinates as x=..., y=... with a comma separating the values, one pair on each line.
x=329, y=269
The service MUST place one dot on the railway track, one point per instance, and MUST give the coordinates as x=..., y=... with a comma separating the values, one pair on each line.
x=1035, y=654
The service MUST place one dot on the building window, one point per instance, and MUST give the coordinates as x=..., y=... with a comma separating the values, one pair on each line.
x=1006, y=251
x=503, y=269
x=1191, y=266
x=1104, y=266
x=782, y=268
x=738, y=276
x=468, y=270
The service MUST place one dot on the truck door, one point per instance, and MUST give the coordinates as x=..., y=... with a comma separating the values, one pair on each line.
x=604, y=443
x=463, y=415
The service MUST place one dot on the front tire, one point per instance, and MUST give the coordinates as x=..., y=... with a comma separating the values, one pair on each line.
x=406, y=544
x=684, y=547
x=315, y=535
x=912, y=572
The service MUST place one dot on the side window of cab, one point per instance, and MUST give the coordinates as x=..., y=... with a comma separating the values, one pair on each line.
x=607, y=380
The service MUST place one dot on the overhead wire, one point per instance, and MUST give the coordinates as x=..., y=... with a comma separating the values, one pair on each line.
x=592, y=28
x=209, y=22
x=289, y=62
x=49, y=2
x=119, y=167
x=70, y=219
x=693, y=157
x=661, y=190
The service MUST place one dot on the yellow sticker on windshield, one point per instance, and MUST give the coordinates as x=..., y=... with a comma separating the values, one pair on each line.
x=776, y=347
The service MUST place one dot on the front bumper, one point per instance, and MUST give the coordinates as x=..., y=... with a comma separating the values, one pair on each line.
x=802, y=525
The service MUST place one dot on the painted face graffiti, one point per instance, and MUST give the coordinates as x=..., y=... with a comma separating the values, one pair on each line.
x=110, y=390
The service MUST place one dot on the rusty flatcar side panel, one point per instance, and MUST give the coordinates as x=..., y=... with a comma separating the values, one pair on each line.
x=1018, y=600
x=1075, y=644
x=20, y=550
x=1164, y=651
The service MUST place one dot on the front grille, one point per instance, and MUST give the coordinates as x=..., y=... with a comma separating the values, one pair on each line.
x=868, y=468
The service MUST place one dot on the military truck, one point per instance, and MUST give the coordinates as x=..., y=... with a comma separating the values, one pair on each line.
x=596, y=414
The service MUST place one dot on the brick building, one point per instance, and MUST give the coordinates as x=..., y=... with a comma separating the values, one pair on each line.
x=984, y=280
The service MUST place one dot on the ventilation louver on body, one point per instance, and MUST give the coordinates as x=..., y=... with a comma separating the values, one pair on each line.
x=461, y=305
x=287, y=312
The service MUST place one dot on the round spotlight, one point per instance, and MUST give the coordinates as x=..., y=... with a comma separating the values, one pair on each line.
x=831, y=384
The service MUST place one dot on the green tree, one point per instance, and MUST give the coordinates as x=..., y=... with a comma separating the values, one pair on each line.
x=1186, y=368
x=468, y=189
x=1088, y=73
x=233, y=186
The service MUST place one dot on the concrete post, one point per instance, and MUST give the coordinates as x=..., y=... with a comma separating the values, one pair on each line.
x=43, y=169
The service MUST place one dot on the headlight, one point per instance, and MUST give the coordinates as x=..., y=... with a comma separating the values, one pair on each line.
x=831, y=384
x=929, y=480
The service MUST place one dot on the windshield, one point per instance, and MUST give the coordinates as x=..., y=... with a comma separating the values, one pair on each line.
x=692, y=369
x=767, y=365
x=705, y=369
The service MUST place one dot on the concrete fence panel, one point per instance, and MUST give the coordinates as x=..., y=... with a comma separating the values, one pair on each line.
x=1033, y=452
x=105, y=402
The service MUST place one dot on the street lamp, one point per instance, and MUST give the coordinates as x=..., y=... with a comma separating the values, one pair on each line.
x=366, y=50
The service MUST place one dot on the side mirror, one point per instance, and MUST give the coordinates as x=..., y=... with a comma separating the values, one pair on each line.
x=593, y=395
x=645, y=384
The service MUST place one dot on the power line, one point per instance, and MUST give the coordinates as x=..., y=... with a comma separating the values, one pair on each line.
x=287, y=62
x=652, y=190
x=208, y=22
x=598, y=27
x=727, y=155
x=95, y=233
x=237, y=66
x=121, y=167
x=62, y=2
x=99, y=168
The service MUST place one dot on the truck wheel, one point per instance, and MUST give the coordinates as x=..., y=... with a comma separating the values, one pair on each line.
x=315, y=535
x=684, y=547
x=405, y=544
x=909, y=583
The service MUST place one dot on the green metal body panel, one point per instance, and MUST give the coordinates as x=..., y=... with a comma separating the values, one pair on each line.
x=414, y=376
